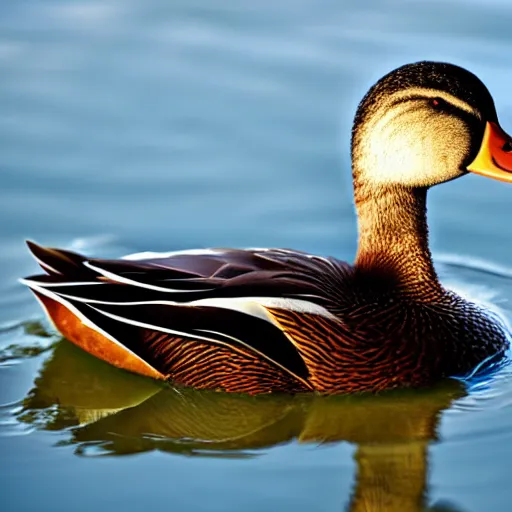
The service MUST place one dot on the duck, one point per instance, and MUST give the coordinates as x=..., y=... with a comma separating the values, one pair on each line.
x=260, y=321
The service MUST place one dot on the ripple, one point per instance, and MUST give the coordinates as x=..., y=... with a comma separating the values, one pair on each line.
x=478, y=264
x=9, y=424
x=24, y=340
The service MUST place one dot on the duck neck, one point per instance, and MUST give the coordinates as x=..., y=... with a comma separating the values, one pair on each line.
x=393, y=239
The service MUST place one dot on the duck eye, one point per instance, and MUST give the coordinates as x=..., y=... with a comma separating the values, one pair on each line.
x=437, y=103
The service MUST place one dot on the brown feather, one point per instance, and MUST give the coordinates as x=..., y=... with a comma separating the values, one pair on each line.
x=92, y=341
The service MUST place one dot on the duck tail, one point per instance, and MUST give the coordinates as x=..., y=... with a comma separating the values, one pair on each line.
x=59, y=262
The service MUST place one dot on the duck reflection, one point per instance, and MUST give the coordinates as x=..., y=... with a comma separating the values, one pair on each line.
x=121, y=413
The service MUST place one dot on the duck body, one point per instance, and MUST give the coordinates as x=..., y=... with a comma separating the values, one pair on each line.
x=259, y=321
x=277, y=320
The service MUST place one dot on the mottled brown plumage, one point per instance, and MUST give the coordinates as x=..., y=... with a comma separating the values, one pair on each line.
x=266, y=320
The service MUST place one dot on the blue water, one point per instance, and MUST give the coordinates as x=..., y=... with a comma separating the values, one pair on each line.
x=156, y=125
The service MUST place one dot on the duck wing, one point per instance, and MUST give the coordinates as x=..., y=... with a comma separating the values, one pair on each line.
x=209, y=318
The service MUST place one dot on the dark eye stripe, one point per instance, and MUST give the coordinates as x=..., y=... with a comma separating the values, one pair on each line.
x=440, y=102
x=443, y=106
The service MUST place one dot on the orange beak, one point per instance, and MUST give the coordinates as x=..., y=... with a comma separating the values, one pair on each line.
x=494, y=159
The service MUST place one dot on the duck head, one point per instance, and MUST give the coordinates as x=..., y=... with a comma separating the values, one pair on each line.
x=427, y=123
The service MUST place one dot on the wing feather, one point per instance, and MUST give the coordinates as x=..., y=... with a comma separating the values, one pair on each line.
x=218, y=297
x=224, y=327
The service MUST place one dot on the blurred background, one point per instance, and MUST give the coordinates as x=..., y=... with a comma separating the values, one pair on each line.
x=156, y=125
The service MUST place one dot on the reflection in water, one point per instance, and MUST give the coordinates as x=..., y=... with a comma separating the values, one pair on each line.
x=108, y=411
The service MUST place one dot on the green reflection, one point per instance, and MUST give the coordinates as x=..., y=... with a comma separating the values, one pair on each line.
x=114, y=412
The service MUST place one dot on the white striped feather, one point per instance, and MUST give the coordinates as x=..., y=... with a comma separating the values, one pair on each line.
x=253, y=306
x=124, y=280
x=250, y=306
x=194, y=336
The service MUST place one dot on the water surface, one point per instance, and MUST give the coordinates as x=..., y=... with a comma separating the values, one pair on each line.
x=128, y=126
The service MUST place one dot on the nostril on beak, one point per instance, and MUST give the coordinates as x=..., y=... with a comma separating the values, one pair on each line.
x=507, y=147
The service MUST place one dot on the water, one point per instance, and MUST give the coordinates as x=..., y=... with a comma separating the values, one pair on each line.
x=128, y=126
